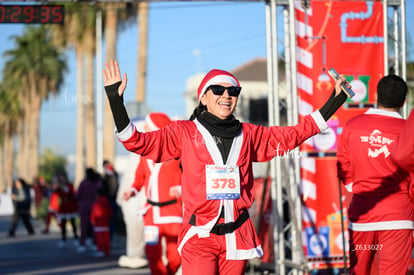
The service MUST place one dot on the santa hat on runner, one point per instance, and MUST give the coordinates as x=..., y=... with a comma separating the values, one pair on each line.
x=155, y=121
x=213, y=77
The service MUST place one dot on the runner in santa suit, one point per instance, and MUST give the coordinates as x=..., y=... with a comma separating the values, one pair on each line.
x=68, y=208
x=163, y=212
x=53, y=209
x=403, y=155
x=380, y=212
x=403, y=152
x=100, y=217
x=216, y=152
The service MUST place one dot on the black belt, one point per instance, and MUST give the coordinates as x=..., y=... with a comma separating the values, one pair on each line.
x=225, y=228
x=161, y=204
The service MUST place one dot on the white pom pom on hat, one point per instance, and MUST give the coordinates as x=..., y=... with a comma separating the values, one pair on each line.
x=213, y=77
x=155, y=121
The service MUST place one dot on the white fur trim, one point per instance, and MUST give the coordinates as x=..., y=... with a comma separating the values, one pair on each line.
x=348, y=187
x=381, y=112
x=378, y=226
x=218, y=79
x=153, y=194
x=320, y=121
x=151, y=123
x=126, y=133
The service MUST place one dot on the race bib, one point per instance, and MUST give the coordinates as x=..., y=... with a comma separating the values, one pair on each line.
x=151, y=234
x=222, y=182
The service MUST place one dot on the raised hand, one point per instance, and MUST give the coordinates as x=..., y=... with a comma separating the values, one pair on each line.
x=112, y=75
x=341, y=79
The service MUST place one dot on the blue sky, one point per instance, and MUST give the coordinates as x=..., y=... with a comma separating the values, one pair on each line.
x=226, y=34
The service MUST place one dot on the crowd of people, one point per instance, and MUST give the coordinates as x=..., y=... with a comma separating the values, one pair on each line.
x=89, y=207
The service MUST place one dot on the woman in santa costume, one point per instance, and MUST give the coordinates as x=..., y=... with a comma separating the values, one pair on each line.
x=68, y=208
x=216, y=152
x=163, y=212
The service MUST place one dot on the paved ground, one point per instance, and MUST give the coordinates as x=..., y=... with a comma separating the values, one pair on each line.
x=39, y=255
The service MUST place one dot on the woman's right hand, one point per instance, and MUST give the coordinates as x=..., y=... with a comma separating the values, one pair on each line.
x=112, y=75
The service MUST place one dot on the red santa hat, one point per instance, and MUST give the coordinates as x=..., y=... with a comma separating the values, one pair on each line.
x=213, y=77
x=155, y=121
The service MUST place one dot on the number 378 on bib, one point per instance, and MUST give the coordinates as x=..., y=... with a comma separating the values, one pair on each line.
x=222, y=182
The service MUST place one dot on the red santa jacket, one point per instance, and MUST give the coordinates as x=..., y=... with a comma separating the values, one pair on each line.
x=101, y=213
x=54, y=202
x=380, y=198
x=159, y=179
x=68, y=206
x=403, y=152
x=191, y=142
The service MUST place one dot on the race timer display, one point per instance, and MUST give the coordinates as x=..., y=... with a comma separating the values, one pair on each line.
x=28, y=14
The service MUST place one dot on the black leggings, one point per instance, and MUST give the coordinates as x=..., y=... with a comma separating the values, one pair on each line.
x=25, y=217
x=63, y=228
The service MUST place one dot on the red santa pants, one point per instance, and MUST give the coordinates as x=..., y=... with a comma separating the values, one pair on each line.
x=103, y=241
x=208, y=256
x=393, y=247
x=49, y=216
x=154, y=251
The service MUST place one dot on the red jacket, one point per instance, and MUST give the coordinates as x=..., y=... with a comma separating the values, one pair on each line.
x=54, y=202
x=101, y=212
x=195, y=147
x=380, y=198
x=403, y=152
x=158, y=179
x=67, y=200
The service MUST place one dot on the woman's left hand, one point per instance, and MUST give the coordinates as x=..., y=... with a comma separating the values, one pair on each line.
x=338, y=88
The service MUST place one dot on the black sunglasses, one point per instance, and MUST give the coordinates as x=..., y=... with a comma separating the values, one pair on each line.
x=219, y=90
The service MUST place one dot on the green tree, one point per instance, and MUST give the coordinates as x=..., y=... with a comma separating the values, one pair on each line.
x=51, y=164
x=33, y=70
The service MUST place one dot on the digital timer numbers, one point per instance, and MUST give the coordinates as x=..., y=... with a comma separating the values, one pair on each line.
x=32, y=14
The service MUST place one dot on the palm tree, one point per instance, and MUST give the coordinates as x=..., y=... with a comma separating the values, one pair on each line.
x=88, y=46
x=79, y=32
x=36, y=67
x=117, y=15
x=10, y=115
x=111, y=35
x=78, y=18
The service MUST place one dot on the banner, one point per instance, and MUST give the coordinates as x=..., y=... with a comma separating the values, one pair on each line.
x=348, y=36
